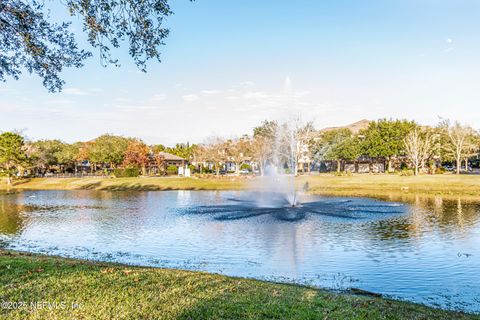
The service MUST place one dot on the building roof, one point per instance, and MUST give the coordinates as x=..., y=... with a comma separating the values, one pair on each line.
x=171, y=157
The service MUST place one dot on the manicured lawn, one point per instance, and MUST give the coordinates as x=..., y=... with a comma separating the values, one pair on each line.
x=448, y=185
x=87, y=290
x=123, y=184
x=384, y=185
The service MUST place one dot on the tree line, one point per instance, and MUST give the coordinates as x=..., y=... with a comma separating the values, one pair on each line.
x=420, y=148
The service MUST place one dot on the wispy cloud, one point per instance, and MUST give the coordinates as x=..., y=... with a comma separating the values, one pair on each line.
x=210, y=92
x=256, y=95
x=190, y=97
x=76, y=91
x=247, y=84
x=159, y=97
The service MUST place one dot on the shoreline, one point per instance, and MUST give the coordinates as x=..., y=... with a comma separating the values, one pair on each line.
x=377, y=186
x=98, y=289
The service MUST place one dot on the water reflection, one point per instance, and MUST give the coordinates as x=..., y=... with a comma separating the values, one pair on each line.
x=11, y=220
x=426, y=249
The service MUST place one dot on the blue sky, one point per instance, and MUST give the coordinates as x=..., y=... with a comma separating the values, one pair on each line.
x=226, y=65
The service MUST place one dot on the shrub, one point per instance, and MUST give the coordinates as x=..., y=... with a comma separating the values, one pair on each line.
x=129, y=172
x=171, y=169
x=205, y=170
x=407, y=172
x=440, y=170
x=246, y=166
x=192, y=168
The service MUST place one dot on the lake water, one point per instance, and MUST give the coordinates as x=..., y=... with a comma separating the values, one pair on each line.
x=425, y=250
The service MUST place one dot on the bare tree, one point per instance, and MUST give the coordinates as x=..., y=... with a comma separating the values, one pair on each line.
x=238, y=150
x=293, y=143
x=460, y=141
x=262, y=148
x=214, y=151
x=418, y=146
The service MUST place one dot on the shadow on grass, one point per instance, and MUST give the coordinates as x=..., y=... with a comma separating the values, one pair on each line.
x=91, y=186
x=20, y=182
x=144, y=187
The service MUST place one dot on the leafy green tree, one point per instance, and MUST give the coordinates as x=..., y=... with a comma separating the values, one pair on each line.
x=262, y=146
x=44, y=153
x=337, y=145
x=267, y=129
x=69, y=154
x=183, y=150
x=157, y=148
x=385, y=138
x=12, y=154
x=109, y=149
x=31, y=40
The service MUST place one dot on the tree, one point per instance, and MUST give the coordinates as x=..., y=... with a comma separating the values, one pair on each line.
x=459, y=141
x=137, y=155
x=419, y=145
x=68, y=155
x=385, y=138
x=214, y=151
x=30, y=40
x=157, y=148
x=337, y=145
x=183, y=150
x=262, y=146
x=267, y=129
x=45, y=153
x=109, y=149
x=160, y=161
x=291, y=144
x=12, y=154
x=237, y=151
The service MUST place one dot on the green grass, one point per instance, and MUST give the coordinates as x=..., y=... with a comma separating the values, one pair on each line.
x=112, y=291
x=465, y=186
x=385, y=185
x=125, y=184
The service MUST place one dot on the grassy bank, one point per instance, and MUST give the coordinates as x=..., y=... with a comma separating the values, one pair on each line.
x=87, y=290
x=126, y=184
x=467, y=186
x=447, y=186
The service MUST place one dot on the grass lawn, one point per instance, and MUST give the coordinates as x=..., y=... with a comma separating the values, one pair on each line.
x=88, y=290
x=448, y=185
x=385, y=185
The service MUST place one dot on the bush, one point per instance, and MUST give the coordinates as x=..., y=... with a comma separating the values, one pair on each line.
x=407, y=172
x=205, y=170
x=172, y=169
x=192, y=168
x=246, y=166
x=130, y=172
x=440, y=170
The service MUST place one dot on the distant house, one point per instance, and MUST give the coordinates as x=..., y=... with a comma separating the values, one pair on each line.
x=173, y=160
x=167, y=159
x=230, y=165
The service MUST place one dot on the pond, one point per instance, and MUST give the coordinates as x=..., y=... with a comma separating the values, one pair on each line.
x=425, y=250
